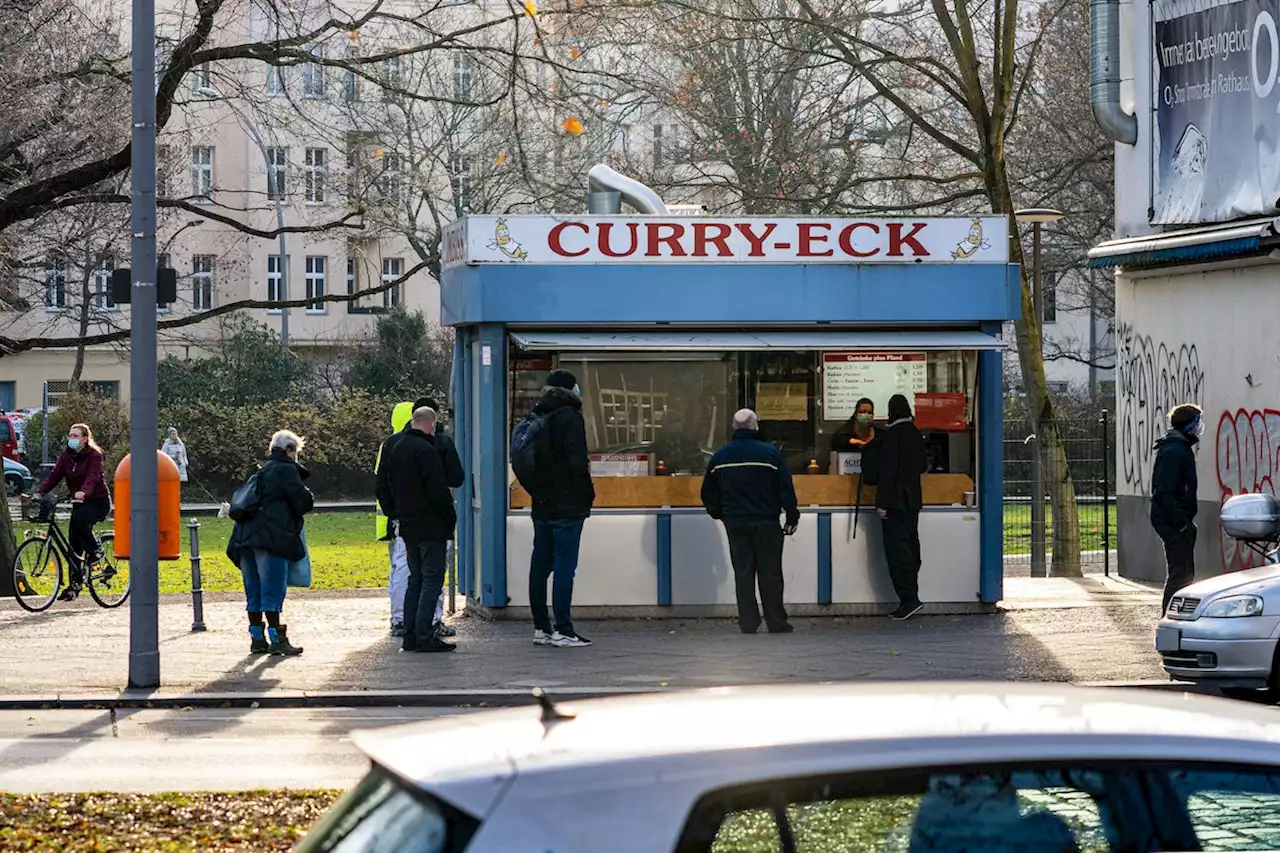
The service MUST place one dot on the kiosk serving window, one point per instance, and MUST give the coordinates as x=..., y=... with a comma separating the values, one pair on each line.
x=655, y=413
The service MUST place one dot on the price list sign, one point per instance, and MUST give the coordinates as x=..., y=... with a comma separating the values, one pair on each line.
x=849, y=376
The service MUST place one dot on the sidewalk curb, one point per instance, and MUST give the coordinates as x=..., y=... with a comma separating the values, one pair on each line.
x=483, y=698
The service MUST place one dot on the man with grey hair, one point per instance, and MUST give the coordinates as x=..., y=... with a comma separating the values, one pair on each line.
x=748, y=486
x=414, y=493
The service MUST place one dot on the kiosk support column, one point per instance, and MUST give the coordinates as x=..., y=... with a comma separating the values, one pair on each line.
x=990, y=475
x=491, y=536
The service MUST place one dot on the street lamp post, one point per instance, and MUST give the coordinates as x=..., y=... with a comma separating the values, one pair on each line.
x=1038, y=216
x=272, y=189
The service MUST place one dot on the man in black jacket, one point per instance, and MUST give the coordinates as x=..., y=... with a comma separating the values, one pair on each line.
x=414, y=493
x=1173, y=496
x=453, y=475
x=562, y=496
x=899, y=498
x=747, y=486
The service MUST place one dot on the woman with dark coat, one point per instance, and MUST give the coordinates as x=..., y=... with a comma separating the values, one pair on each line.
x=898, y=501
x=263, y=546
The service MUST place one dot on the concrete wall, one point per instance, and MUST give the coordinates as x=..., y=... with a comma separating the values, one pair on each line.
x=1207, y=335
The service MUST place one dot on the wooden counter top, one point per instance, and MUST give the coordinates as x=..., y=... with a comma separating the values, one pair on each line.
x=811, y=490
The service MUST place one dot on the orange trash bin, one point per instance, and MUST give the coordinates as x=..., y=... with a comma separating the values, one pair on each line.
x=170, y=506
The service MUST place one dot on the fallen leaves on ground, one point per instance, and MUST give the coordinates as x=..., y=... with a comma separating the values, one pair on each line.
x=159, y=823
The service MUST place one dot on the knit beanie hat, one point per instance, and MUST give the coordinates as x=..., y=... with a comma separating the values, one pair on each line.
x=562, y=379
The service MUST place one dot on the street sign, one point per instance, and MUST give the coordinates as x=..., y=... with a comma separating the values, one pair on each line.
x=166, y=286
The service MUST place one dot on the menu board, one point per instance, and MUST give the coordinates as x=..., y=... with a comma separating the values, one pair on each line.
x=849, y=376
x=621, y=464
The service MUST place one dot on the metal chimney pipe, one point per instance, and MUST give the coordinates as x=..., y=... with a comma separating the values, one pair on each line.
x=607, y=189
x=1104, y=68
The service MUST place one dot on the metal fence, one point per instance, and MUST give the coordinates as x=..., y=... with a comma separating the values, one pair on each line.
x=1032, y=527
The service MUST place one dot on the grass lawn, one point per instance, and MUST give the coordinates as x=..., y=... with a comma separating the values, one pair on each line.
x=1017, y=527
x=160, y=823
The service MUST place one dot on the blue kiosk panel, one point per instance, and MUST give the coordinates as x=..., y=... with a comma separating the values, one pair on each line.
x=672, y=560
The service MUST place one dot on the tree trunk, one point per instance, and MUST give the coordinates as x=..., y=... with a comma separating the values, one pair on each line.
x=8, y=548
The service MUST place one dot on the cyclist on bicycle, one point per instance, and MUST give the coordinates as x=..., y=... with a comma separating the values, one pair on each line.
x=81, y=468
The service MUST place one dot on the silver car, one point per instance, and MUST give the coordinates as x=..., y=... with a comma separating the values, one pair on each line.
x=909, y=767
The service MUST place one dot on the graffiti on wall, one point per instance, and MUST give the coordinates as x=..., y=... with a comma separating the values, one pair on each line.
x=1151, y=378
x=1247, y=455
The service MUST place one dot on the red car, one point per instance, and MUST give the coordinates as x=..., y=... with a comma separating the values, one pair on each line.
x=8, y=437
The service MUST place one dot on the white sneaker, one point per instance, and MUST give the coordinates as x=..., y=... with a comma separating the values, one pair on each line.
x=568, y=641
x=541, y=638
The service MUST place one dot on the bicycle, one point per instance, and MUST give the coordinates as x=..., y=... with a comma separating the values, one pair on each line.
x=42, y=559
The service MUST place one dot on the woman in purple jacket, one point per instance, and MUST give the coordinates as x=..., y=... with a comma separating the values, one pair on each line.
x=81, y=468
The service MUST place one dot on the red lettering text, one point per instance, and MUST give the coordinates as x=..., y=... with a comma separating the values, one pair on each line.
x=897, y=240
x=808, y=239
x=553, y=239
x=671, y=239
x=603, y=240
x=702, y=239
x=846, y=239
x=757, y=242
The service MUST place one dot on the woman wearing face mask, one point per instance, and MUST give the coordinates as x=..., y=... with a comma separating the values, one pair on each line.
x=859, y=435
x=81, y=467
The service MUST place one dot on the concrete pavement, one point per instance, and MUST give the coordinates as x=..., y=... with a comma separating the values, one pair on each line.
x=147, y=751
x=1083, y=631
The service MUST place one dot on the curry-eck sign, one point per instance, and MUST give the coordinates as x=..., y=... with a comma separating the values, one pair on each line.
x=709, y=240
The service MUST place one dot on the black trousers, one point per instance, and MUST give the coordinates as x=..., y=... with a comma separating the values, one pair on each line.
x=900, y=530
x=84, y=516
x=1180, y=558
x=755, y=547
x=426, y=579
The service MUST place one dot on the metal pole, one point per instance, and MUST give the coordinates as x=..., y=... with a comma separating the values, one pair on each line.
x=44, y=424
x=1106, y=496
x=1038, y=567
x=144, y=607
x=197, y=585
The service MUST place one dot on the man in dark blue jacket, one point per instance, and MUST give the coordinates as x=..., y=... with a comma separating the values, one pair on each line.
x=1173, y=496
x=747, y=486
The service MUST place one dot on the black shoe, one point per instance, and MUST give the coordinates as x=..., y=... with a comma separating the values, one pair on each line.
x=784, y=628
x=71, y=593
x=747, y=630
x=433, y=644
x=280, y=645
x=258, y=644
x=442, y=630
x=906, y=611
x=398, y=630
x=569, y=641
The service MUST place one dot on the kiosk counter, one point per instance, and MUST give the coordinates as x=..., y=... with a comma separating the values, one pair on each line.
x=671, y=325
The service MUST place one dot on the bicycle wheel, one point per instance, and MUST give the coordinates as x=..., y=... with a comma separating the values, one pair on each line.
x=37, y=574
x=108, y=577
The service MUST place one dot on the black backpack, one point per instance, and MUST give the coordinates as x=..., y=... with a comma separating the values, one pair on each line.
x=528, y=443
x=247, y=500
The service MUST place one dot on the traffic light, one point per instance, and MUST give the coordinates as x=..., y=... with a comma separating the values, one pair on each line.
x=166, y=285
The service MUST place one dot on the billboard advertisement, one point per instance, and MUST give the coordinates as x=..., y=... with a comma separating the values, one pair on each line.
x=1216, y=103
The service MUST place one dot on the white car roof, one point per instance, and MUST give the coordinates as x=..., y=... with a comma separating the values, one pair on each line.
x=468, y=759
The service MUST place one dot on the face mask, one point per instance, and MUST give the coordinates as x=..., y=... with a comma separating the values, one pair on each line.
x=866, y=420
x=73, y=443
x=1198, y=429
x=577, y=390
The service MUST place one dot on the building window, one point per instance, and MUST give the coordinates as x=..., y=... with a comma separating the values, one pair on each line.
x=313, y=75
x=350, y=79
x=163, y=171
x=392, y=269
x=463, y=75
x=390, y=182
x=275, y=80
x=201, y=79
x=103, y=299
x=657, y=146
x=393, y=78
x=202, y=282
x=277, y=173
x=275, y=281
x=354, y=306
x=202, y=172
x=315, y=284
x=162, y=263
x=625, y=141
x=315, y=175
x=460, y=182
x=55, y=284
x=1049, y=281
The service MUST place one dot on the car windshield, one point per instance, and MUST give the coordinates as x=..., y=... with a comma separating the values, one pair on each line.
x=381, y=816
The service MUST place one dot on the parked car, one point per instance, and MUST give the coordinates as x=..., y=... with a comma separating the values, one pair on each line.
x=911, y=767
x=17, y=478
x=9, y=435
x=1224, y=631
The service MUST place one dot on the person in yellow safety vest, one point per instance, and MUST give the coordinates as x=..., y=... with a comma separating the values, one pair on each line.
x=398, y=583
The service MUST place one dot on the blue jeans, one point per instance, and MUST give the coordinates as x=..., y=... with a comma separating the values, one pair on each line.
x=555, y=552
x=266, y=579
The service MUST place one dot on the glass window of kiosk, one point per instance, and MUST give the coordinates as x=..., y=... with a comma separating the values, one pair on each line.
x=677, y=408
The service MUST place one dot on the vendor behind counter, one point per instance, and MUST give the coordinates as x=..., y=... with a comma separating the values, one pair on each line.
x=859, y=435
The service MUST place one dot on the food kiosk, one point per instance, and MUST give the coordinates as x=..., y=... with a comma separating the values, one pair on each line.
x=671, y=324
